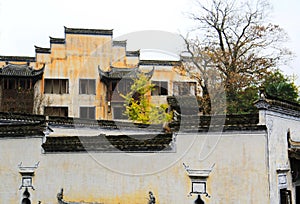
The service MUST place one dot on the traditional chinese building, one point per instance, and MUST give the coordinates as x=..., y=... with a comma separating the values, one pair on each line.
x=78, y=74
x=17, y=86
x=207, y=159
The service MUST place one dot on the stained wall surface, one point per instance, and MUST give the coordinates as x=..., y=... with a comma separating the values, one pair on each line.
x=79, y=56
x=238, y=160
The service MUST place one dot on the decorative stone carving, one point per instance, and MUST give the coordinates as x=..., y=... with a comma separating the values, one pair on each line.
x=262, y=104
x=199, y=200
x=60, y=195
x=26, y=196
x=198, y=178
x=151, y=198
x=27, y=172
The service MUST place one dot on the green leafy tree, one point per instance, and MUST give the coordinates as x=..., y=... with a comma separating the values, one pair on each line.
x=139, y=107
x=244, y=102
x=275, y=84
x=282, y=87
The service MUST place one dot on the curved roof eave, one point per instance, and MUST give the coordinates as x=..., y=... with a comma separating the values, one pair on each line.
x=17, y=70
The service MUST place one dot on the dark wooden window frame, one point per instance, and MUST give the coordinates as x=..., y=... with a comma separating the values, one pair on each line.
x=118, y=111
x=63, y=86
x=62, y=110
x=90, y=112
x=184, y=88
x=161, y=88
x=87, y=86
x=18, y=83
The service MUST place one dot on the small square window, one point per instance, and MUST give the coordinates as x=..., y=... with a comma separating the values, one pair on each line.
x=26, y=181
x=184, y=88
x=160, y=88
x=118, y=113
x=87, y=86
x=199, y=187
x=124, y=86
x=56, y=111
x=87, y=112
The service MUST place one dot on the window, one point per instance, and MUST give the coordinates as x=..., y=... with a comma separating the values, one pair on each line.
x=160, y=88
x=285, y=196
x=56, y=86
x=10, y=84
x=56, y=111
x=24, y=84
x=16, y=83
x=87, y=86
x=118, y=113
x=184, y=88
x=297, y=194
x=124, y=86
x=87, y=112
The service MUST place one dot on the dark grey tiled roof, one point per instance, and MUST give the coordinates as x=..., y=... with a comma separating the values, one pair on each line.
x=57, y=40
x=20, y=70
x=20, y=128
x=121, y=43
x=17, y=58
x=110, y=143
x=56, y=121
x=88, y=31
x=133, y=53
x=185, y=123
x=160, y=62
x=122, y=73
x=217, y=123
x=278, y=105
x=42, y=50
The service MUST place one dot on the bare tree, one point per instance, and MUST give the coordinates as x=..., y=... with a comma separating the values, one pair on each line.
x=40, y=101
x=236, y=40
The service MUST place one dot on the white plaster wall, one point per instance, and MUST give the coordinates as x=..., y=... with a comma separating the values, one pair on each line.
x=12, y=152
x=278, y=127
x=240, y=173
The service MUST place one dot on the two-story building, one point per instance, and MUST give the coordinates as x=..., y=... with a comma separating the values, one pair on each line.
x=78, y=74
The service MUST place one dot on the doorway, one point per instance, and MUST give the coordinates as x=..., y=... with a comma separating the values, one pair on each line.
x=285, y=196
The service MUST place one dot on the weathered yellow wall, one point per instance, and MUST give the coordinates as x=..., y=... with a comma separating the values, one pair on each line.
x=119, y=56
x=165, y=73
x=79, y=58
x=58, y=51
x=132, y=61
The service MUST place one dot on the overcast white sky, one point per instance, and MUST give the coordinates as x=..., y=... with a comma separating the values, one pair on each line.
x=25, y=23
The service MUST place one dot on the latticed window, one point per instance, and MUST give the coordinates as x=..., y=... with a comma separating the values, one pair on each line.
x=56, y=86
x=17, y=84
x=124, y=86
x=87, y=86
x=184, y=88
x=87, y=112
x=56, y=111
x=118, y=113
x=160, y=88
